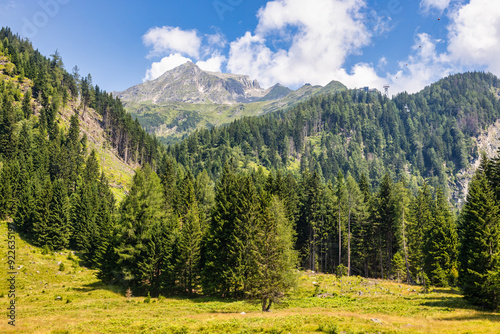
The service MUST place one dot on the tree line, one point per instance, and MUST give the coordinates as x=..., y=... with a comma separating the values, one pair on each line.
x=428, y=134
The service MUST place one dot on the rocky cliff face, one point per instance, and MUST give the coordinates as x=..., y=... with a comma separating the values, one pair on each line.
x=188, y=83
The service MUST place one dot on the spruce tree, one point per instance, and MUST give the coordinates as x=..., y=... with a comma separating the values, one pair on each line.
x=341, y=195
x=440, y=245
x=275, y=256
x=58, y=224
x=41, y=225
x=354, y=214
x=143, y=231
x=480, y=241
x=421, y=213
x=190, y=235
x=217, y=262
x=402, y=215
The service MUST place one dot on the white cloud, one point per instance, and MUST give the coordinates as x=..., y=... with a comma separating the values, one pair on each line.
x=423, y=67
x=213, y=64
x=166, y=64
x=217, y=40
x=428, y=5
x=169, y=40
x=296, y=42
x=474, y=35
x=181, y=46
x=320, y=34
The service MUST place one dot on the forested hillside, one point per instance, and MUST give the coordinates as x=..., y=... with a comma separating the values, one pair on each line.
x=51, y=183
x=425, y=135
x=351, y=183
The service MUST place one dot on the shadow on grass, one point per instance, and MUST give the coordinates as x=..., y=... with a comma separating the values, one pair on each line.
x=450, y=303
x=493, y=317
x=100, y=286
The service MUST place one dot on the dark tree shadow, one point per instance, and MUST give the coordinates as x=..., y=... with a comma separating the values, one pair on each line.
x=450, y=303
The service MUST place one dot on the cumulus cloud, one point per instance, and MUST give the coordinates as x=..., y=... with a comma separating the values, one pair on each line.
x=474, y=35
x=213, y=64
x=318, y=36
x=296, y=42
x=178, y=46
x=165, y=64
x=424, y=66
x=168, y=40
x=428, y=5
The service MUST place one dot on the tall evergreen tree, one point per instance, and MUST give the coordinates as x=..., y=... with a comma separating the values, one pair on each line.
x=144, y=233
x=276, y=258
x=421, y=217
x=190, y=236
x=440, y=245
x=217, y=262
x=480, y=240
x=58, y=224
x=354, y=214
x=402, y=215
x=341, y=195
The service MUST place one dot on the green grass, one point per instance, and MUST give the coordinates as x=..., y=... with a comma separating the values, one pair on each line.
x=319, y=304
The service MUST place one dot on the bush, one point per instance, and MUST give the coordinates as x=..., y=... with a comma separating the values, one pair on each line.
x=46, y=250
x=330, y=328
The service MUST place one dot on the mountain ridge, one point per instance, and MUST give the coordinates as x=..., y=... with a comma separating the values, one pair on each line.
x=188, y=83
x=187, y=98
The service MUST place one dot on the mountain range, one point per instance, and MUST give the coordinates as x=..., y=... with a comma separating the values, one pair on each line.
x=186, y=98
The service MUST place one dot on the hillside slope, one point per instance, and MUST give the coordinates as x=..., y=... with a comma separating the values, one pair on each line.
x=432, y=135
x=118, y=172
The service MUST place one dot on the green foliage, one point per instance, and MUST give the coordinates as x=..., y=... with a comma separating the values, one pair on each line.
x=398, y=266
x=144, y=234
x=480, y=240
x=441, y=244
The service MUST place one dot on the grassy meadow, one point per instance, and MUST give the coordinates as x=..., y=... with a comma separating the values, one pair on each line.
x=54, y=294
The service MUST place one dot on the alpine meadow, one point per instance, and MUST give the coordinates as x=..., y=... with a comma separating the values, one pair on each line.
x=201, y=202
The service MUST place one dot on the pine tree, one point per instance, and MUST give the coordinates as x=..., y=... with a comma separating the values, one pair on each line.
x=191, y=233
x=276, y=259
x=480, y=240
x=402, y=199
x=383, y=226
x=6, y=125
x=26, y=104
x=143, y=233
x=341, y=195
x=83, y=217
x=361, y=230
x=41, y=225
x=217, y=262
x=421, y=217
x=441, y=242
x=308, y=224
x=354, y=203
x=105, y=224
x=25, y=214
x=8, y=189
x=58, y=224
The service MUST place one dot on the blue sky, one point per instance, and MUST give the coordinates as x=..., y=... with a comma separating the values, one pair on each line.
x=404, y=43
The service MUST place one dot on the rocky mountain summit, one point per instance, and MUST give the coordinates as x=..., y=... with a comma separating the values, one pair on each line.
x=188, y=83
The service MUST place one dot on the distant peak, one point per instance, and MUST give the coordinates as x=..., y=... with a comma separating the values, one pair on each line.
x=187, y=65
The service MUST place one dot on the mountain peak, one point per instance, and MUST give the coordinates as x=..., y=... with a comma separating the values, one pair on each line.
x=188, y=83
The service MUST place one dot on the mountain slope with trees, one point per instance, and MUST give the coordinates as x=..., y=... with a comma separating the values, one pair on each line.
x=187, y=98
